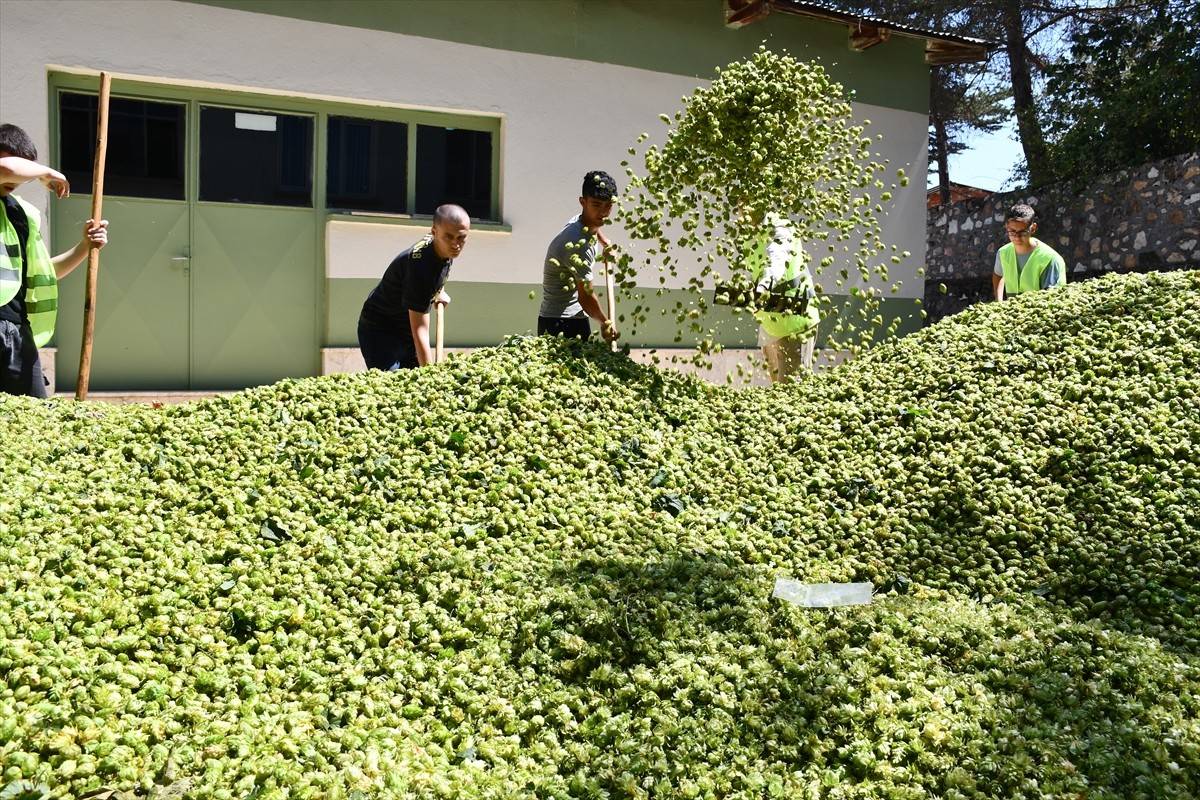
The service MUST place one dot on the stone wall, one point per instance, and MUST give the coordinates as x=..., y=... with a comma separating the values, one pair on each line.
x=1139, y=220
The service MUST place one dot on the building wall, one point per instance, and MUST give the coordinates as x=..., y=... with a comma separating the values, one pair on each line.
x=574, y=83
x=957, y=192
x=1137, y=220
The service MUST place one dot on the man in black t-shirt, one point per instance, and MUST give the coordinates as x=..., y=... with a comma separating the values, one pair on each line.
x=393, y=328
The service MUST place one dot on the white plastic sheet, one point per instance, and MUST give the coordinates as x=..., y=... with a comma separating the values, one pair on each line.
x=822, y=595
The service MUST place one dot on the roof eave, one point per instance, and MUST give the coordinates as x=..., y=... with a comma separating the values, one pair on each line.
x=864, y=32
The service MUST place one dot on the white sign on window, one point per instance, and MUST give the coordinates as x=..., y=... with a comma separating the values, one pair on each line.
x=254, y=122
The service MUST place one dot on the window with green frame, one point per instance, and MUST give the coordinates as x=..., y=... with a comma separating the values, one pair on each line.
x=454, y=166
x=373, y=165
x=368, y=168
x=145, y=147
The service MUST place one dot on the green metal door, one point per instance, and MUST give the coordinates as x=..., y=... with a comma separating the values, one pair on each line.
x=254, y=297
x=142, y=328
x=211, y=277
x=254, y=264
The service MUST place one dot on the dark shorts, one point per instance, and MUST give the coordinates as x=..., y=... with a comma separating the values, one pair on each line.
x=387, y=348
x=569, y=327
x=20, y=365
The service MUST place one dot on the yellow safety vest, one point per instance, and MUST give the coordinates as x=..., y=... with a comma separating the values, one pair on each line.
x=1030, y=278
x=41, y=286
x=795, y=273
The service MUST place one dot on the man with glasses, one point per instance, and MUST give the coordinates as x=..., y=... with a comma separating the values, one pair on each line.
x=1025, y=264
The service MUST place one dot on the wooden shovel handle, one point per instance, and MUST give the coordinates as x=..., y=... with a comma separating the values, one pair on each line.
x=93, y=260
x=610, y=298
x=441, y=333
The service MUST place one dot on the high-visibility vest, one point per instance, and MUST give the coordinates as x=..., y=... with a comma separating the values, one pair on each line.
x=795, y=278
x=1030, y=278
x=41, y=286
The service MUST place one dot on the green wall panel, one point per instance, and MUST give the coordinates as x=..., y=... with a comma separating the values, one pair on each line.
x=482, y=314
x=142, y=323
x=254, y=295
x=680, y=37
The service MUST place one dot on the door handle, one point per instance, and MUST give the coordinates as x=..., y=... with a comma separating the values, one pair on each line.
x=183, y=262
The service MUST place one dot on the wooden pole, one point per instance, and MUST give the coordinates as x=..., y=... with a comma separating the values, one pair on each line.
x=441, y=332
x=610, y=298
x=93, y=261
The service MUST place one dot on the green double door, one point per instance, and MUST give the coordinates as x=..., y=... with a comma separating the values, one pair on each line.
x=212, y=274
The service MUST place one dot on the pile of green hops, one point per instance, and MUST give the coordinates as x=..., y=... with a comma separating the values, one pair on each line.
x=545, y=571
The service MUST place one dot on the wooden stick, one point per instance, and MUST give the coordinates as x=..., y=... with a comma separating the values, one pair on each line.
x=610, y=298
x=93, y=265
x=441, y=331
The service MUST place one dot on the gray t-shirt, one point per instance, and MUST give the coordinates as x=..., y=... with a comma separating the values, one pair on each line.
x=568, y=258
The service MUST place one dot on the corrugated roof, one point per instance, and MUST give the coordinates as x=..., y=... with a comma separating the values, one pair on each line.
x=865, y=32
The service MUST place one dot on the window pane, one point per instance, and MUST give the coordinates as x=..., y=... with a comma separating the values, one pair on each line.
x=367, y=165
x=454, y=166
x=255, y=157
x=144, y=153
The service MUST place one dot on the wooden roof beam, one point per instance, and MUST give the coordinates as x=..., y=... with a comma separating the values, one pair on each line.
x=744, y=12
x=941, y=53
x=865, y=35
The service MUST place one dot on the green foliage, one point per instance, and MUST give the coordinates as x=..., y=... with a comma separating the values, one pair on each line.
x=1126, y=94
x=544, y=571
x=958, y=110
x=769, y=134
x=1099, y=87
x=964, y=99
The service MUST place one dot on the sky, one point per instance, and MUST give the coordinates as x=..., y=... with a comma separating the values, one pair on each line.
x=988, y=162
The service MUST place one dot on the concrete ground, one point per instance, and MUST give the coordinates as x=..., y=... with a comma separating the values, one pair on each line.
x=734, y=363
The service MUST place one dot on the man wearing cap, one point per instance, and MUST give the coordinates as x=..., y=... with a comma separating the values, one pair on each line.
x=568, y=296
